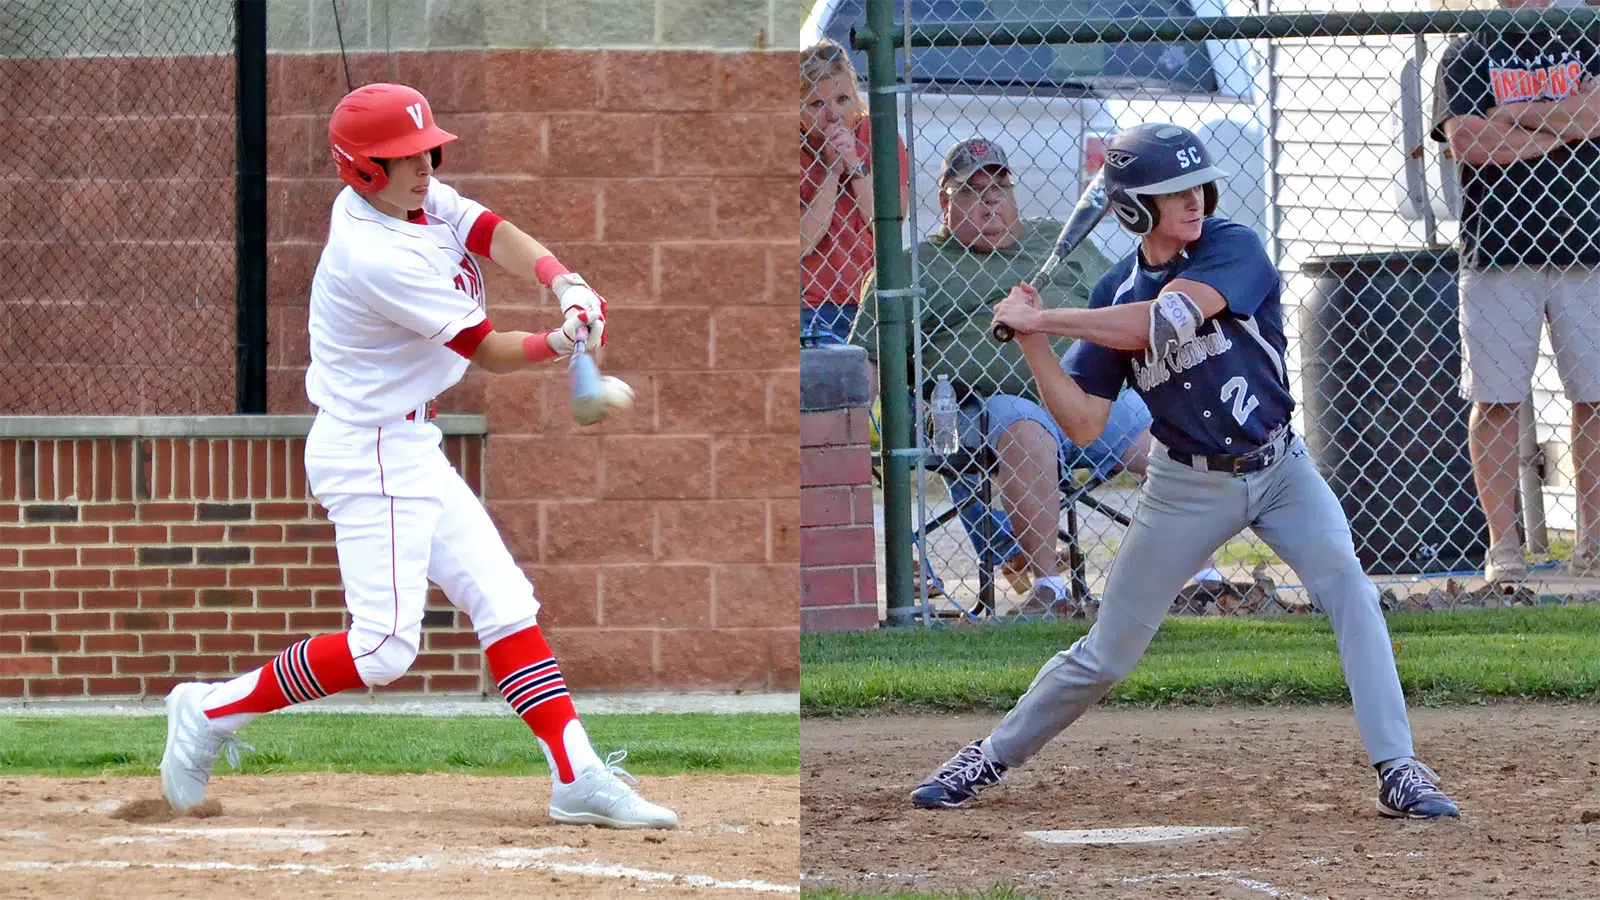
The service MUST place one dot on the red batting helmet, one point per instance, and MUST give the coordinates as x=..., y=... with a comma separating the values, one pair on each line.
x=381, y=121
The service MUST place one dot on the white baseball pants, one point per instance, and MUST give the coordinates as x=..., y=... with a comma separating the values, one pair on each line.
x=404, y=517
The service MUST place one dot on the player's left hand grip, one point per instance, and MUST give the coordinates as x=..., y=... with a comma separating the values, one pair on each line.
x=1002, y=332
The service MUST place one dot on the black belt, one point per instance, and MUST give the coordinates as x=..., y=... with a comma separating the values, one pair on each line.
x=1244, y=464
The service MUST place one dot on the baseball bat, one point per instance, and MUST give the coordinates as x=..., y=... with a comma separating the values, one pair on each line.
x=588, y=395
x=1091, y=208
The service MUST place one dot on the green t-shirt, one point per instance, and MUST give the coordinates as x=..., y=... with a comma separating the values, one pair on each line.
x=960, y=289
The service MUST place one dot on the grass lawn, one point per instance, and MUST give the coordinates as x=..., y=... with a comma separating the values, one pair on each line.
x=989, y=894
x=657, y=744
x=1546, y=652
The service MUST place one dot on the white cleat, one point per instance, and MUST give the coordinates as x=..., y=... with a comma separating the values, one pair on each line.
x=192, y=748
x=598, y=797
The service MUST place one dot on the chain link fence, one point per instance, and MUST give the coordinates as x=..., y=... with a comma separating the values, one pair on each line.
x=117, y=214
x=1336, y=130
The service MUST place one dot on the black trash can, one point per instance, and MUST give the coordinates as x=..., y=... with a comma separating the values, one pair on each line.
x=1384, y=414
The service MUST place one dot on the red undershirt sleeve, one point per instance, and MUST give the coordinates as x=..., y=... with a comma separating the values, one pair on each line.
x=481, y=236
x=467, y=340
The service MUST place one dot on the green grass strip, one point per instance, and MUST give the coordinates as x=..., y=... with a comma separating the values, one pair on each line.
x=657, y=744
x=988, y=894
x=1546, y=652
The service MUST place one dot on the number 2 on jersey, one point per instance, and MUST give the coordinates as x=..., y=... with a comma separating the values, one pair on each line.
x=1238, y=390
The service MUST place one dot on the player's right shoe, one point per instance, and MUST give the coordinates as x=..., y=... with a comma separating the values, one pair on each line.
x=598, y=797
x=192, y=747
x=958, y=780
x=1410, y=790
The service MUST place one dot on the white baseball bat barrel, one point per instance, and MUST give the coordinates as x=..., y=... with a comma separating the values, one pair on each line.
x=1088, y=212
x=588, y=399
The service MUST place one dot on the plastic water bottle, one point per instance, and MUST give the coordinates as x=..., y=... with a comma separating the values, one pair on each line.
x=943, y=412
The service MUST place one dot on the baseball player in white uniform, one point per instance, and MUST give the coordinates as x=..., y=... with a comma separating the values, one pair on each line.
x=397, y=313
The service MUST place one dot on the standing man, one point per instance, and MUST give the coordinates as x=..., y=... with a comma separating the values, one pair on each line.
x=1521, y=114
x=1193, y=320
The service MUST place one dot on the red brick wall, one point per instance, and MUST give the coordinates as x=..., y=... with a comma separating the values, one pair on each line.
x=129, y=565
x=667, y=539
x=116, y=236
x=838, y=574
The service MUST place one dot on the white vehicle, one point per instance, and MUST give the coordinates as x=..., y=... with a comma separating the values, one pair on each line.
x=1052, y=108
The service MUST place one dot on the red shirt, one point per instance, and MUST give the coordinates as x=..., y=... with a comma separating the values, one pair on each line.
x=833, y=270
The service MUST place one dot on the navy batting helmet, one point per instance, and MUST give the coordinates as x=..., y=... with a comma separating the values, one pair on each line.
x=1156, y=159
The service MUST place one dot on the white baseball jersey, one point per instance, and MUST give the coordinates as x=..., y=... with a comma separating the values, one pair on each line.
x=397, y=308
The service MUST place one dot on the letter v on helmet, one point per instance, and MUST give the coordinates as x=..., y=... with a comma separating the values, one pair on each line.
x=415, y=110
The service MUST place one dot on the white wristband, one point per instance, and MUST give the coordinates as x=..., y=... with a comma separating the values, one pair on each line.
x=561, y=283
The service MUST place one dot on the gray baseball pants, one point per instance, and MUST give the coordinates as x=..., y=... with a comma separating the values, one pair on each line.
x=1183, y=516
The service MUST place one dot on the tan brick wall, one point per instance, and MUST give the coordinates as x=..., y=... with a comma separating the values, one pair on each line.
x=158, y=27
x=458, y=24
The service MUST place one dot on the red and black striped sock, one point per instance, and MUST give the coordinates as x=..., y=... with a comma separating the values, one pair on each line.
x=526, y=672
x=312, y=668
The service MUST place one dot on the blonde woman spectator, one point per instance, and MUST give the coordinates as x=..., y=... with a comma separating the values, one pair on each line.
x=836, y=212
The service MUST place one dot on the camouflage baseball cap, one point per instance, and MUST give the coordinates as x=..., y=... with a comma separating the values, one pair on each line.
x=968, y=156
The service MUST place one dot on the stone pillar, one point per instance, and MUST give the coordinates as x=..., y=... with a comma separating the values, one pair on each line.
x=838, y=571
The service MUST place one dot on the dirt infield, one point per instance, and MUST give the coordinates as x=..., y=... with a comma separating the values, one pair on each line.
x=389, y=836
x=1526, y=776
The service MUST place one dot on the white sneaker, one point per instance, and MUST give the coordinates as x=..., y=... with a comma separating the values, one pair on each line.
x=1048, y=597
x=1585, y=561
x=598, y=797
x=192, y=747
x=1505, y=564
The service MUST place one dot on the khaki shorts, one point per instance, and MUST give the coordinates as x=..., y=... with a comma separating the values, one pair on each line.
x=1501, y=314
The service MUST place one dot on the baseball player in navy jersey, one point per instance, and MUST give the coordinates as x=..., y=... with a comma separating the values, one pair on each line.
x=396, y=317
x=1192, y=321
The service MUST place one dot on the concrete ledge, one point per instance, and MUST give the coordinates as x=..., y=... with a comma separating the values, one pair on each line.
x=833, y=377
x=68, y=427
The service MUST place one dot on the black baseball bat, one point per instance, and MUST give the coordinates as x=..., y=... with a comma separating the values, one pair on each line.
x=1091, y=208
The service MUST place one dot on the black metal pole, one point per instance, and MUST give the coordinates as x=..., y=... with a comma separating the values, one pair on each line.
x=250, y=205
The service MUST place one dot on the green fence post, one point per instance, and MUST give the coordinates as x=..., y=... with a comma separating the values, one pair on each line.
x=1223, y=28
x=894, y=285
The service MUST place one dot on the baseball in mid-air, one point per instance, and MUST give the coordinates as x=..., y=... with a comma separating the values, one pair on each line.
x=617, y=392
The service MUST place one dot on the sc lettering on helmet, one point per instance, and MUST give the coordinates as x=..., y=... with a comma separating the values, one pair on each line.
x=1153, y=159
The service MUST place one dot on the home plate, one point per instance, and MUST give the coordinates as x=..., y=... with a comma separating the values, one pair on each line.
x=1145, y=834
